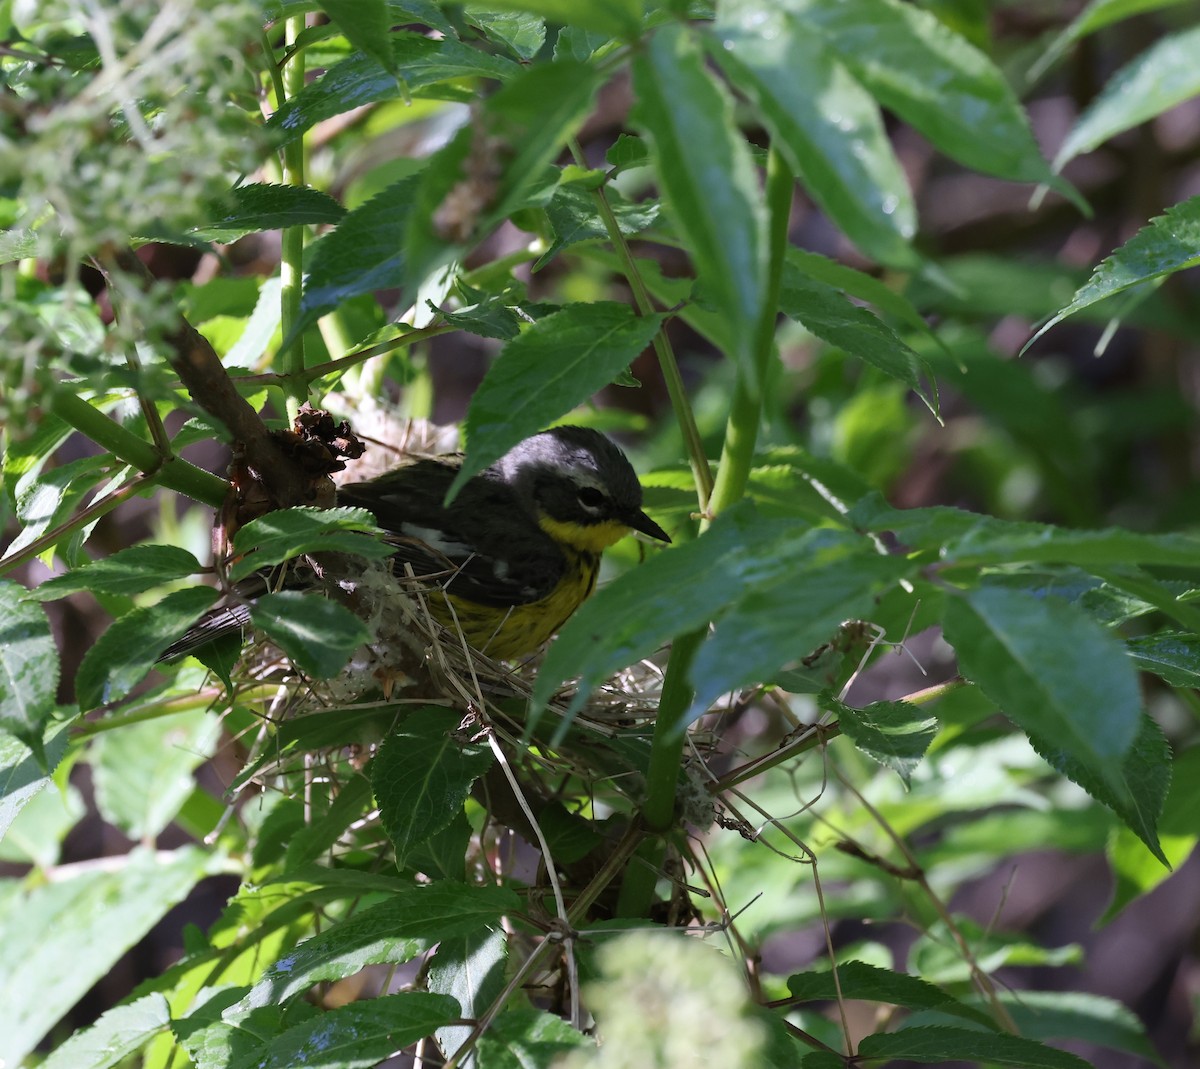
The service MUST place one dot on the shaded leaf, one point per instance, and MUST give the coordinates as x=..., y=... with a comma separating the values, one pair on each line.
x=120, y=658
x=422, y=62
x=1169, y=243
x=356, y=1036
x=1052, y=670
x=555, y=365
x=365, y=24
x=263, y=206
x=129, y=571
x=1164, y=75
x=614, y=17
x=1095, y=16
x=364, y=254
x=1137, y=790
x=286, y=533
x=918, y=67
x=411, y=921
x=895, y=734
x=828, y=127
x=469, y=969
x=829, y=315
x=28, y=667
x=317, y=634
x=528, y=1038
x=706, y=176
x=422, y=774
x=965, y=1044
x=89, y=920
x=1173, y=656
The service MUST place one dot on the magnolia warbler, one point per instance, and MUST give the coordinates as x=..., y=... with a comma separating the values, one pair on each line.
x=518, y=549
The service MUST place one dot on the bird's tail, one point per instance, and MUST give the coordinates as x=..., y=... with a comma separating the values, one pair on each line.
x=214, y=624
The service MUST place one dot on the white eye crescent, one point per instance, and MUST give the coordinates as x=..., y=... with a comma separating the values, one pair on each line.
x=590, y=498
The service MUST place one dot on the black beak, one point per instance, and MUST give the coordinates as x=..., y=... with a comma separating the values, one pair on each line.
x=642, y=523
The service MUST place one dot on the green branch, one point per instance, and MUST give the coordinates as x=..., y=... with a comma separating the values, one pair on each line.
x=741, y=433
x=173, y=472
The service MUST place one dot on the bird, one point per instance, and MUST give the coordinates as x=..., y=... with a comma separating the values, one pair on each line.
x=515, y=553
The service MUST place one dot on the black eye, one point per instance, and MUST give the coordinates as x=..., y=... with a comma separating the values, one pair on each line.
x=590, y=497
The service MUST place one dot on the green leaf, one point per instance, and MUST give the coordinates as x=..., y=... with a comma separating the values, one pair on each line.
x=1095, y=16
x=129, y=571
x=628, y=151
x=675, y=591
x=936, y=955
x=528, y=1038
x=318, y=635
x=859, y=980
x=829, y=315
x=115, y=1036
x=1173, y=656
x=574, y=217
x=522, y=34
x=1164, y=75
x=966, y=1044
x=28, y=667
x=1136, y=793
x=286, y=533
x=73, y=931
x=422, y=62
x=17, y=245
x=933, y=79
x=828, y=127
x=814, y=266
x=739, y=573
x=48, y=498
x=422, y=775
x=1169, y=243
x=836, y=577
x=534, y=114
x=1060, y=1015
x=263, y=206
x=618, y=18
x=121, y=657
x=25, y=772
x=357, y=1036
x=969, y=538
x=895, y=734
x=408, y=923
x=469, y=969
x=366, y=24
x=706, y=176
x=555, y=365
x=1137, y=870
x=1052, y=670
x=364, y=254
x=37, y=835
x=143, y=773
x=322, y=830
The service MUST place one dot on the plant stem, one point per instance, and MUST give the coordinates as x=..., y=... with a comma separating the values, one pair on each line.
x=741, y=432
x=172, y=472
x=291, y=268
x=745, y=410
x=667, y=363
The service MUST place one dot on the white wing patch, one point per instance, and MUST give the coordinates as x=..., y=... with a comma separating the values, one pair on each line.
x=436, y=540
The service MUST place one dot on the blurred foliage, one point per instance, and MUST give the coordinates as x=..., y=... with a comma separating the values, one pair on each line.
x=897, y=382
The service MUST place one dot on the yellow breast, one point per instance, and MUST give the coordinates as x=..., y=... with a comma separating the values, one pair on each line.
x=517, y=630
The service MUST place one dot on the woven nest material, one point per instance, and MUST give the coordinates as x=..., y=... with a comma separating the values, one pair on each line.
x=413, y=660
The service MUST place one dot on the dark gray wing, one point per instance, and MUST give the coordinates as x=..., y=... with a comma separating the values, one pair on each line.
x=484, y=547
